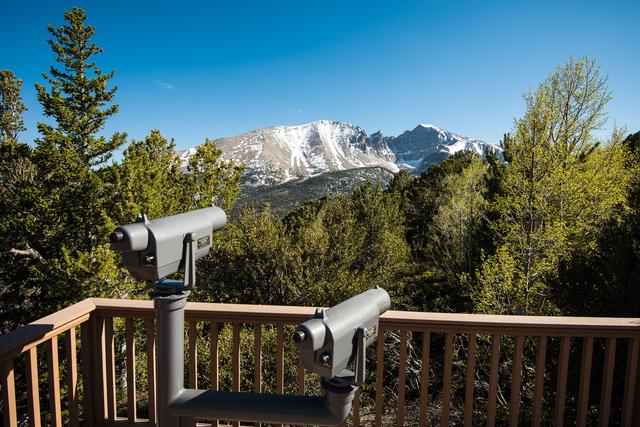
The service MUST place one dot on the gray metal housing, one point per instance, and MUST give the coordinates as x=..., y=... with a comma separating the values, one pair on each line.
x=329, y=338
x=152, y=250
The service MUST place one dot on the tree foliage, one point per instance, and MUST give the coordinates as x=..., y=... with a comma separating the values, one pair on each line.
x=319, y=254
x=558, y=190
x=11, y=108
x=78, y=98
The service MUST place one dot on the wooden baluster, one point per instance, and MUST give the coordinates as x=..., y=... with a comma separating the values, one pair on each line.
x=257, y=362
x=72, y=377
x=213, y=357
x=193, y=355
x=630, y=382
x=539, y=380
x=279, y=360
x=88, y=395
x=355, y=419
x=402, y=377
x=9, y=410
x=424, y=377
x=33, y=392
x=110, y=369
x=446, y=380
x=301, y=376
x=585, y=381
x=301, y=387
x=493, y=380
x=607, y=382
x=151, y=368
x=516, y=376
x=130, y=338
x=561, y=387
x=469, y=381
x=379, y=377
x=235, y=360
x=54, y=382
x=235, y=357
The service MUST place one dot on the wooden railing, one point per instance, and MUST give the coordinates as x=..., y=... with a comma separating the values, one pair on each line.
x=430, y=368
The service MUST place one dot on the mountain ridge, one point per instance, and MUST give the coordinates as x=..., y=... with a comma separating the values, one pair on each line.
x=278, y=154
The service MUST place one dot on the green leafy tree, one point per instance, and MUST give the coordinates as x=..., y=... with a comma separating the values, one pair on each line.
x=150, y=179
x=319, y=254
x=605, y=280
x=453, y=242
x=558, y=189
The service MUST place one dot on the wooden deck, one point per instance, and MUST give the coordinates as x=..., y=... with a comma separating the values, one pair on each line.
x=440, y=363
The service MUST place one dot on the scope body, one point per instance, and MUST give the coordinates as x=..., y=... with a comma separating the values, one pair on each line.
x=327, y=342
x=152, y=250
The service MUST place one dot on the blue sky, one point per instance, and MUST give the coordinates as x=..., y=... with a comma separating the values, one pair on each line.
x=214, y=68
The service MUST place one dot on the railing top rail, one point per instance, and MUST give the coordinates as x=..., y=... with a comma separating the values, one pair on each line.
x=28, y=336
x=515, y=325
x=21, y=339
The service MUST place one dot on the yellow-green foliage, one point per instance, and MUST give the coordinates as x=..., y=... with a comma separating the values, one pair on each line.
x=559, y=188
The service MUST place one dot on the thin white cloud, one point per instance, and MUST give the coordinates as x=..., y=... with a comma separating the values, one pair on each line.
x=164, y=85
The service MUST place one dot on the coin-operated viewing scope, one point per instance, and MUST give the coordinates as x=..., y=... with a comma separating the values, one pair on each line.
x=152, y=250
x=333, y=338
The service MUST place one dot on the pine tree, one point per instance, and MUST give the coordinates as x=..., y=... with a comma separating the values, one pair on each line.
x=78, y=98
x=19, y=192
x=69, y=221
x=11, y=108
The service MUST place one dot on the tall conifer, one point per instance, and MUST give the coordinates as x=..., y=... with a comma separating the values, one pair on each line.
x=78, y=97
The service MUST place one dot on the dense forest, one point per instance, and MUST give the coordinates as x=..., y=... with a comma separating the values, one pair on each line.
x=554, y=229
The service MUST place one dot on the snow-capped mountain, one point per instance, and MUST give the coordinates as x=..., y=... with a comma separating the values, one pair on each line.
x=427, y=144
x=282, y=153
x=279, y=154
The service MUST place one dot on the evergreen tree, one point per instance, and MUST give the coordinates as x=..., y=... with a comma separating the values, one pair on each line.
x=59, y=210
x=148, y=180
x=209, y=180
x=18, y=194
x=78, y=97
x=11, y=108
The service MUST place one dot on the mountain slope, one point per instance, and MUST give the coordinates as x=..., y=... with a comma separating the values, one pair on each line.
x=286, y=196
